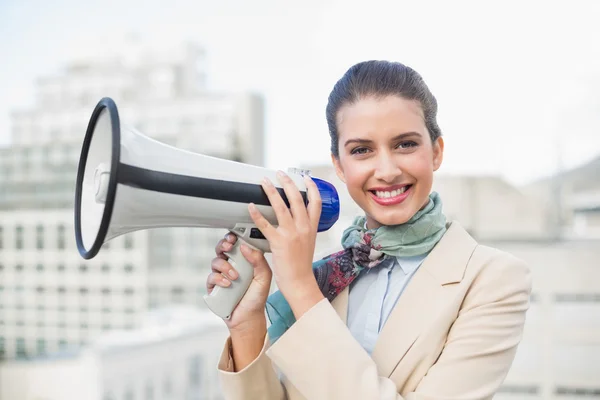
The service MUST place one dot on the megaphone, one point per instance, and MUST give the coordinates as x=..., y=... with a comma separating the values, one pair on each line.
x=127, y=182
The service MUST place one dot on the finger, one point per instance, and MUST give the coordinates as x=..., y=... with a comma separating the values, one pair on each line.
x=216, y=279
x=224, y=245
x=262, y=270
x=294, y=197
x=254, y=256
x=314, y=202
x=282, y=212
x=223, y=267
x=263, y=225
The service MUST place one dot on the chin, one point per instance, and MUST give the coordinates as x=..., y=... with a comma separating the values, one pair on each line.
x=398, y=219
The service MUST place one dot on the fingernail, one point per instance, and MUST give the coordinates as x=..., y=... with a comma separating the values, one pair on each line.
x=280, y=173
x=266, y=181
x=227, y=246
x=226, y=282
x=232, y=274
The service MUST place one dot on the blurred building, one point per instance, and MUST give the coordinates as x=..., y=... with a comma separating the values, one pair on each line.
x=172, y=356
x=50, y=297
x=575, y=197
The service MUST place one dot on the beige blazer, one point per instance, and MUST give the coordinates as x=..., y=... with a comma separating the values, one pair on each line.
x=453, y=334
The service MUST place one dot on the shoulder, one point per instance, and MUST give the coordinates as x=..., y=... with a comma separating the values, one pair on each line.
x=491, y=260
x=495, y=275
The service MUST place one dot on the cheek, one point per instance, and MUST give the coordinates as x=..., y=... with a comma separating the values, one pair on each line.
x=420, y=166
x=356, y=175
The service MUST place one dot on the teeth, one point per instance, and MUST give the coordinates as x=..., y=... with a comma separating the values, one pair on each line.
x=387, y=194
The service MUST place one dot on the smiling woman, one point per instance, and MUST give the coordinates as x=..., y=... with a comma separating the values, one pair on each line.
x=412, y=307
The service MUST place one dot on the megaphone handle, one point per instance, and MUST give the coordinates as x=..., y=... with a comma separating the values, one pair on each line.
x=223, y=300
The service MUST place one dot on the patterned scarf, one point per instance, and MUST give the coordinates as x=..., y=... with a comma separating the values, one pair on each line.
x=364, y=249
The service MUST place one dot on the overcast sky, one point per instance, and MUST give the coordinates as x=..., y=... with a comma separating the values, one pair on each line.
x=515, y=80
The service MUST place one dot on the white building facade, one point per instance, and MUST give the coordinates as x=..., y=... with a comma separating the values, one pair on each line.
x=172, y=356
x=51, y=299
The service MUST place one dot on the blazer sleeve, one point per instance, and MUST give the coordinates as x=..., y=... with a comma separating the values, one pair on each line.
x=321, y=358
x=257, y=381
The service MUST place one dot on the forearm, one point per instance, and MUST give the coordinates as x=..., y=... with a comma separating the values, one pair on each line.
x=247, y=343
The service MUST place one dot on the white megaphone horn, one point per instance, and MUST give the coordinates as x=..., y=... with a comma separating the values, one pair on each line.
x=127, y=182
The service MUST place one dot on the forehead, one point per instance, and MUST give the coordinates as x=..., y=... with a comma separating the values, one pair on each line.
x=391, y=114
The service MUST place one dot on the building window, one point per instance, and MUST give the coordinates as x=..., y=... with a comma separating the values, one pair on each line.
x=128, y=268
x=128, y=241
x=149, y=391
x=1, y=237
x=577, y=298
x=41, y=346
x=19, y=267
x=167, y=386
x=21, y=352
x=195, y=372
x=39, y=237
x=61, y=267
x=61, y=240
x=515, y=389
x=129, y=394
x=577, y=391
x=105, y=268
x=39, y=267
x=83, y=268
x=19, y=237
x=177, y=294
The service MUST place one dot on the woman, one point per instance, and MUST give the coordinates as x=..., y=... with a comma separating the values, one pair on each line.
x=412, y=308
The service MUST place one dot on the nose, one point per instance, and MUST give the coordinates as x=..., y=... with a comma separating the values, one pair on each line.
x=387, y=168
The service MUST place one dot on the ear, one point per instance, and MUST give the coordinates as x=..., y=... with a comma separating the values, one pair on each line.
x=438, y=153
x=338, y=168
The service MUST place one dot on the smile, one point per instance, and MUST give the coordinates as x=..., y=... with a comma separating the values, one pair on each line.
x=390, y=197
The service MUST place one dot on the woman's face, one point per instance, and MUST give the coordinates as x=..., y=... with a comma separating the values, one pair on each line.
x=386, y=157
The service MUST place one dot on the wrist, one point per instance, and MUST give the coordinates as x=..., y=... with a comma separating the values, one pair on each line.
x=249, y=328
x=302, y=296
x=247, y=343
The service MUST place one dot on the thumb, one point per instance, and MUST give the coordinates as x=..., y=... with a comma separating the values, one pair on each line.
x=258, y=261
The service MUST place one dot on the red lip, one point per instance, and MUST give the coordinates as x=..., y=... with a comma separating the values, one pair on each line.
x=390, y=201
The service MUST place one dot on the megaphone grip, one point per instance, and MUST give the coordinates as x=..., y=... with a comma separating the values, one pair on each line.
x=223, y=300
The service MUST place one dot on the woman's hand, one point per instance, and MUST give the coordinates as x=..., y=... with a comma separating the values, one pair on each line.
x=249, y=315
x=292, y=242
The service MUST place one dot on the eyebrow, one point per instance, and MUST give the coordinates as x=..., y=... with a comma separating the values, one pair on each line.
x=397, y=137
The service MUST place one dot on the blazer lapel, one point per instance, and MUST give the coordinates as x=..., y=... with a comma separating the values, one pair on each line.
x=423, y=295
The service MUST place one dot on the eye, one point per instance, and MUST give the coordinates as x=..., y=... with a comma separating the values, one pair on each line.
x=359, y=150
x=407, y=144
